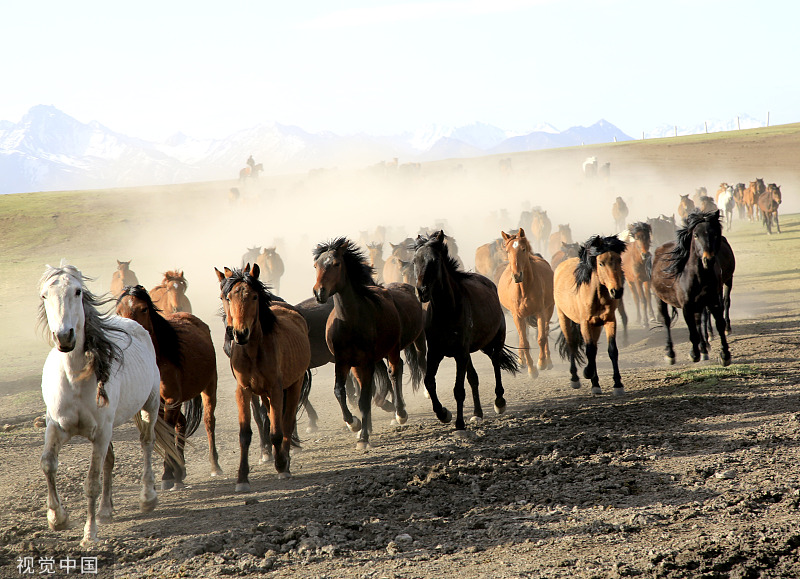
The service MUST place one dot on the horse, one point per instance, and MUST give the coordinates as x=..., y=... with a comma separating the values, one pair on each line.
x=270, y=355
x=619, y=211
x=93, y=354
x=720, y=191
x=687, y=276
x=698, y=193
x=587, y=291
x=567, y=251
x=368, y=324
x=727, y=202
x=663, y=229
x=738, y=195
x=463, y=315
x=489, y=256
x=563, y=235
x=271, y=264
x=706, y=205
x=637, y=263
x=526, y=290
x=540, y=228
x=375, y=250
x=251, y=255
x=122, y=277
x=751, y=195
x=251, y=172
x=590, y=167
x=395, y=270
x=768, y=204
x=685, y=206
x=188, y=368
x=170, y=295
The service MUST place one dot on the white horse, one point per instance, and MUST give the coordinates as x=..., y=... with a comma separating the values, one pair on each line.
x=100, y=373
x=726, y=202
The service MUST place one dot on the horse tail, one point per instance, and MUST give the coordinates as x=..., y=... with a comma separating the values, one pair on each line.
x=508, y=360
x=193, y=411
x=416, y=366
x=305, y=390
x=165, y=439
x=563, y=345
x=381, y=386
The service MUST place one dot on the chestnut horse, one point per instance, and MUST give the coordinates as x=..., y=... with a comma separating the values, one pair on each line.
x=563, y=235
x=751, y=195
x=270, y=355
x=685, y=206
x=637, y=265
x=540, y=228
x=587, y=290
x=768, y=204
x=567, y=250
x=489, y=256
x=368, y=324
x=687, y=275
x=619, y=211
x=738, y=195
x=463, y=315
x=272, y=268
x=526, y=290
x=188, y=368
x=170, y=295
x=122, y=278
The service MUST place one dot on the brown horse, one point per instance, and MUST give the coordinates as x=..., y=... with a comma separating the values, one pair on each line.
x=587, y=290
x=270, y=355
x=738, y=196
x=368, y=324
x=170, y=295
x=567, y=251
x=375, y=250
x=540, y=228
x=122, y=278
x=272, y=268
x=706, y=205
x=188, y=367
x=251, y=172
x=685, y=206
x=526, y=290
x=563, y=235
x=619, y=211
x=663, y=229
x=637, y=263
x=751, y=195
x=768, y=204
x=489, y=256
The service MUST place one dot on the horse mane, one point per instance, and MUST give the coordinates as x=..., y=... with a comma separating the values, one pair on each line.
x=679, y=255
x=359, y=271
x=169, y=344
x=450, y=262
x=640, y=227
x=588, y=252
x=96, y=345
x=266, y=317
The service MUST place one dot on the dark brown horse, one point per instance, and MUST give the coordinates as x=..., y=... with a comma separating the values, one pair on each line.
x=463, y=315
x=188, y=367
x=619, y=211
x=768, y=204
x=738, y=196
x=687, y=276
x=270, y=355
x=170, y=295
x=663, y=229
x=637, y=264
x=368, y=324
x=122, y=278
x=685, y=206
x=588, y=289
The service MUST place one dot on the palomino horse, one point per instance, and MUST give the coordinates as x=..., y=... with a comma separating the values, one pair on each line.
x=463, y=315
x=686, y=275
x=587, y=290
x=567, y=250
x=540, y=228
x=188, y=368
x=619, y=211
x=170, y=295
x=272, y=268
x=270, y=355
x=685, y=206
x=367, y=325
x=563, y=235
x=526, y=290
x=122, y=278
x=637, y=264
x=768, y=204
x=93, y=352
x=751, y=195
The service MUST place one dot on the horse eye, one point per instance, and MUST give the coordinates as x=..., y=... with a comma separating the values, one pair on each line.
x=78, y=292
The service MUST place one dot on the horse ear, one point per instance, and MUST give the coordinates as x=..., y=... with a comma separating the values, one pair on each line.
x=439, y=236
x=505, y=235
x=220, y=276
x=247, y=268
x=521, y=233
x=256, y=271
x=228, y=272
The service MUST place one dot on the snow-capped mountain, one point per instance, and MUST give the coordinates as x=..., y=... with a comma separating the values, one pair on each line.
x=49, y=150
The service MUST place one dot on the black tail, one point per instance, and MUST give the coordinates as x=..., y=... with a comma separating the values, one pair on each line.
x=193, y=411
x=508, y=360
x=416, y=363
x=576, y=338
x=305, y=390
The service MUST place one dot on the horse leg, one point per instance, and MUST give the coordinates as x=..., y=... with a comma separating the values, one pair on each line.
x=91, y=487
x=459, y=393
x=524, y=346
x=442, y=413
x=543, y=325
x=54, y=439
x=261, y=417
x=243, y=399
x=291, y=400
x=472, y=378
x=364, y=375
x=313, y=417
x=148, y=499
x=570, y=331
x=719, y=319
x=649, y=312
x=396, y=375
x=695, y=336
x=624, y=316
x=171, y=418
x=664, y=311
x=590, y=336
x=726, y=304
x=210, y=421
x=105, y=514
x=180, y=444
x=613, y=354
x=777, y=223
x=339, y=390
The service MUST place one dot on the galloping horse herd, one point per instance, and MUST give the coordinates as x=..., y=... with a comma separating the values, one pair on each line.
x=155, y=361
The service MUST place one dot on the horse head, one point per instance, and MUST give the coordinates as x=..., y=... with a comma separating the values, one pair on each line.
x=602, y=257
x=340, y=263
x=518, y=249
x=430, y=254
x=243, y=298
x=62, y=306
x=134, y=303
x=702, y=236
x=123, y=266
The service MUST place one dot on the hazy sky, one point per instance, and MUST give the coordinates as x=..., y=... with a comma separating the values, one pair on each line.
x=152, y=68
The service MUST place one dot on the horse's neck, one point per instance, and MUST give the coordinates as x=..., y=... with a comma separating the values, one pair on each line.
x=347, y=304
x=444, y=296
x=74, y=363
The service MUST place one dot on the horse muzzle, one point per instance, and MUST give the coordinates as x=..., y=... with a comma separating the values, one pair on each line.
x=424, y=294
x=517, y=277
x=65, y=341
x=321, y=294
x=616, y=293
x=707, y=260
x=241, y=337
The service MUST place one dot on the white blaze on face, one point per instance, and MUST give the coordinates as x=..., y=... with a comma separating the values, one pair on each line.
x=175, y=285
x=515, y=244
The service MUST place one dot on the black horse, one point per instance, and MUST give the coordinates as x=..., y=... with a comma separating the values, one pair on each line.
x=687, y=274
x=463, y=315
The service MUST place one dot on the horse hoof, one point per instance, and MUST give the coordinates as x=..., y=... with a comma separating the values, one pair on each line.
x=147, y=506
x=265, y=458
x=575, y=384
x=694, y=358
x=533, y=372
x=704, y=356
x=216, y=472
x=401, y=419
x=476, y=419
x=354, y=426
x=178, y=486
x=284, y=475
x=670, y=360
x=618, y=391
x=57, y=521
x=311, y=429
x=448, y=416
x=499, y=409
x=167, y=484
x=596, y=390
x=105, y=517
x=725, y=361
x=242, y=487
x=363, y=445
x=88, y=542
x=460, y=434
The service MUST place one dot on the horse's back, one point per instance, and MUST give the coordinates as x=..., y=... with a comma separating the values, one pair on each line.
x=565, y=289
x=137, y=377
x=197, y=347
x=662, y=283
x=487, y=314
x=410, y=310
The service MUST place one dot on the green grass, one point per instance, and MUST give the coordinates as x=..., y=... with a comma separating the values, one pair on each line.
x=711, y=375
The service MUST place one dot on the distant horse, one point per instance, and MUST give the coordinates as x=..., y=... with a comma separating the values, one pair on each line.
x=170, y=295
x=395, y=270
x=687, y=276
x=567, y=251
x=123, y=277
x=563, y=235
x=188, y=368
x=367, y=325
x=720, y=191
x=637, y=264
x=375, y=250
x=272, y=268
x=685, y=206
x=768, y=204
x=270, y=355
x=587, y=290
x=590, y=167
x=663, y=229
x=94, y=353
x=252, y=173
x=619, y=211
x=698, y=193
x=727, y=202
x=540, y=229
x=706, y=205
x=751, y=195
x=526, y=290
x=489, y=256
x=251, y=255
x=738, y=195
x=463, y=315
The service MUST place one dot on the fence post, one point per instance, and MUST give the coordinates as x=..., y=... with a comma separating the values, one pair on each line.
x=706, y=122
x=767, y=118
x=738, y=125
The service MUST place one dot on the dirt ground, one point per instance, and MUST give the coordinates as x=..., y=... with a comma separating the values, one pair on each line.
x=693, y=473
